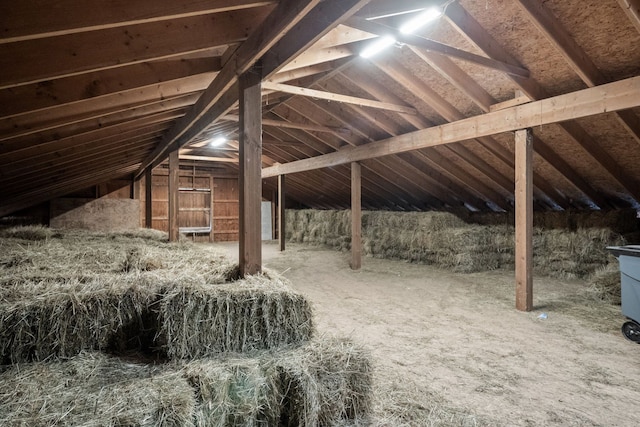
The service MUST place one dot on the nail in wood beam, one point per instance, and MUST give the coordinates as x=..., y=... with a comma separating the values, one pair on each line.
x=356, y=216
x=174, y=183
x=282, y=228
x=524, y=220
x=250, y=185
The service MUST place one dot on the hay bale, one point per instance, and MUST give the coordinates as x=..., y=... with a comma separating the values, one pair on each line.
x=572, y=254
x=28, y=232
x=44, y=320
x=253, y=314
x=93, y=389
x=233, y=392
x=325, y=382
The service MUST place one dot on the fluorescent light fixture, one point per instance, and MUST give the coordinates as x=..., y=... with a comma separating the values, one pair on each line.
x=378, y=44
x=421, y=20
x=216, y=142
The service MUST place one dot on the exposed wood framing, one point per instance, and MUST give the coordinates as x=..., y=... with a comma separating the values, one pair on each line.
x=174, y=202
x=575, y=55
x=112, y=48
x=25, y=20
x=436, y=47
x=250, y=184
x=632, y=9
x=356, y=216
x=282, y=221
x=148, y=198
x=318, y=94
x=616, y=96
x=477, y=35
x=291, y=28
x=524, y=220
x=290, y=125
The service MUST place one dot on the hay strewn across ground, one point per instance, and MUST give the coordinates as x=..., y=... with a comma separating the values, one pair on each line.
x=444, y=240
x=325, y=382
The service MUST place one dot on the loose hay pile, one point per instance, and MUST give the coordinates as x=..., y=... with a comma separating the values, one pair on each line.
x=232, y=352
x=445, y=240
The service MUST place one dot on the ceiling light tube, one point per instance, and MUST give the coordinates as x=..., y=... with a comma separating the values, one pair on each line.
x=421, y=20
x=378, y=45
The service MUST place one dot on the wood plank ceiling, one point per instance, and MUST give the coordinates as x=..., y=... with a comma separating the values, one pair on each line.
x=91, y=91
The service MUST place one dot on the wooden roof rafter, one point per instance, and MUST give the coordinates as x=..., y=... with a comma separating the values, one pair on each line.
x=473, y=31
x=436, y=47
x=411, y=174
x=632, y=10
x=289, y=30
x=575, y=56
x=623, y=94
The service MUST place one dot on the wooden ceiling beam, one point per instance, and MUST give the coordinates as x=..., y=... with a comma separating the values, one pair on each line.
x=92, y=152
x=314, y=57
x=40, y=60
x=576, y=57
x=168, y=78
x=290, y=125
x=403, y=77
x=25, y=20
x=49, y=147
x=632, y=10
x=413, y=179
x=436, y=47
x=72, y=125
x=478, y=36
x=291, y=28
x=437, y=188
x=313, y=147
x=419, y=122
x=315, y=182
x=465, y=84
x=616, y=96
x=51, y=191
x=377, y=9
x=62, y=176
x=329, y=96
x=59, y=172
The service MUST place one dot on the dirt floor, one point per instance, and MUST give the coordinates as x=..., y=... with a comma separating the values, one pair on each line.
x=450, y=349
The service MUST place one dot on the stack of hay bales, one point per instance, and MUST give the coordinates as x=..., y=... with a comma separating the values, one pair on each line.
x=445, y=240
x=126, y=329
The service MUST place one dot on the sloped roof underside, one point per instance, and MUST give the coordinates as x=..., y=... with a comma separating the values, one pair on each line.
x=90, y=93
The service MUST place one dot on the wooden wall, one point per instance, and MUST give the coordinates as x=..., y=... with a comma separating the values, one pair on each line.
x=201, y=194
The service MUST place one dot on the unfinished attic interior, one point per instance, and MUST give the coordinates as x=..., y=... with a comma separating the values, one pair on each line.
x=319, y=212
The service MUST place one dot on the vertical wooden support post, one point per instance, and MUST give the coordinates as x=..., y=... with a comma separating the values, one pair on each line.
x=211, y=233
x=148, y=204
x=174, y=182
x=250, y=178
x=356, y=216
x=282, y=228
x=524, y=220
